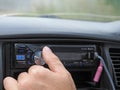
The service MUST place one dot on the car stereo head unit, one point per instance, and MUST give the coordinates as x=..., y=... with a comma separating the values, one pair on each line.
x=72, y=56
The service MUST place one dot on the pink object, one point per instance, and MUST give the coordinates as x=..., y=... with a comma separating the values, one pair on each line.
x=98, y=73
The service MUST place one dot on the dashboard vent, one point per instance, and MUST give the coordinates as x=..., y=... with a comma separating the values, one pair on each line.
x=115, y=57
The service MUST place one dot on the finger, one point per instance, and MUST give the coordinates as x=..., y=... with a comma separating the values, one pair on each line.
x=39, y=71
x=22, y=76
x=52, y=60
x=23, y=80
x=10, y=83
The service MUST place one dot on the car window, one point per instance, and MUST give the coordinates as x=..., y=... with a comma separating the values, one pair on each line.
x=93, y=10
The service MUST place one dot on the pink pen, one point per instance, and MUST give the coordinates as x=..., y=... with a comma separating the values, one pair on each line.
x=98, y=73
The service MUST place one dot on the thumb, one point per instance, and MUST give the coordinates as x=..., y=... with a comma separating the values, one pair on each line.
x=10, y=83
x=52, y=60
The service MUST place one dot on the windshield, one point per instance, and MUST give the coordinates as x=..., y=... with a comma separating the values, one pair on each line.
x=90, y=10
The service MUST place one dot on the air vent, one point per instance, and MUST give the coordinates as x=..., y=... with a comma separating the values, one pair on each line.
x=115, y=56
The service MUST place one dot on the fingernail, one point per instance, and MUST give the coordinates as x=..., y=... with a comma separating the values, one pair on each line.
x=47, y=49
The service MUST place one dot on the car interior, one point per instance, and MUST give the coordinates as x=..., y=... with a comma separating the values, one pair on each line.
x=80, y=45
x=89, y=50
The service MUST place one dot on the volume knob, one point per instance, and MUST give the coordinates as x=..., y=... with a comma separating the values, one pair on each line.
x=38, y=58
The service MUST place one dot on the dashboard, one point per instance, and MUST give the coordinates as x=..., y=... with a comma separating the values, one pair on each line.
x=74, y=42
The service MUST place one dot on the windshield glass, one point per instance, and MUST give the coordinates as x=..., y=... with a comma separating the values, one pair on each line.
x=90, y=10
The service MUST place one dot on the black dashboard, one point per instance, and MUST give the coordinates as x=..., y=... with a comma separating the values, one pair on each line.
x=74, y=42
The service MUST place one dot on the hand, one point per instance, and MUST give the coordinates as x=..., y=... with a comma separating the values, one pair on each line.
x=40, y=78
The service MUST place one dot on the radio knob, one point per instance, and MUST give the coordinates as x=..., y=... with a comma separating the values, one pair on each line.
x=38, y=58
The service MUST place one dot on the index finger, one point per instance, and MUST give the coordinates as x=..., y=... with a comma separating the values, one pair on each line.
x=52, y=60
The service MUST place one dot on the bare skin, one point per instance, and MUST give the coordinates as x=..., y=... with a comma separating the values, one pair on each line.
x=41, y=78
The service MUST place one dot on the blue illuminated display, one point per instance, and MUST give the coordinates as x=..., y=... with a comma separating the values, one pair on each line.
x=20, y=57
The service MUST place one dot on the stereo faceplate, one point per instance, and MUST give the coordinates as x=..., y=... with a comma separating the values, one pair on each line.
x=72, y=56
